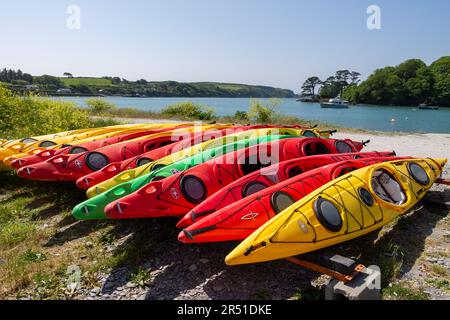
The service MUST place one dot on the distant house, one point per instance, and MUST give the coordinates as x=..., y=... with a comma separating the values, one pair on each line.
x=64, y=91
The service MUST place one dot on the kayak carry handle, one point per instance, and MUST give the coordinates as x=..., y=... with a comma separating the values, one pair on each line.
x=364, y=143
x=331, y=132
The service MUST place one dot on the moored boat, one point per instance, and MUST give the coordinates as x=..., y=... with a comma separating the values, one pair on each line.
x=336, y=103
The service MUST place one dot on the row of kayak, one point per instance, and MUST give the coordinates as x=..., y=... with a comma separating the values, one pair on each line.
x=281, y=191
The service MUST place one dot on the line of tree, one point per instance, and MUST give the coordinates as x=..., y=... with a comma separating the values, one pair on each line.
x=410, y=83
x=15, y=77
x=332, y=86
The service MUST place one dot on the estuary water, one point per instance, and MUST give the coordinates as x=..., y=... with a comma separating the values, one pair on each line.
x=380, y=118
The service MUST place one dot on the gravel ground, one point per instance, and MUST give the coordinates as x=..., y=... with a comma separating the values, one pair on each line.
x=180, y=271
x=418, y=244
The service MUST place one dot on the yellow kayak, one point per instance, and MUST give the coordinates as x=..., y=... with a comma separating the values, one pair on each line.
x=32, y=149
x=131, y=174
x=348, y=207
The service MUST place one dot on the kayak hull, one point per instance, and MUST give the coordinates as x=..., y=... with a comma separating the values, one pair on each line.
x=177, y=194
x=265, y=178
x=348, y=207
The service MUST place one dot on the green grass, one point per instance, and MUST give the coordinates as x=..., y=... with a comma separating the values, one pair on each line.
x=13, y=233
x=391, y=262
x=139, y=276
x=32, y=256
x=401, y=292
x=89, y=81
x=443, y=284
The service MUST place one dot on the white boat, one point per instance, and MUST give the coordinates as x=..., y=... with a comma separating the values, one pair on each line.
x=336, y=103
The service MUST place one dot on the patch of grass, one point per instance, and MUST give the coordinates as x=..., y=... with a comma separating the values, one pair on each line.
x=88, y=81
x=13, y=233
x=391, y=262
x=399, y=292
x=48, y=287
x=32, y=256
x=439, y=270
x=311, y=293
x=107, y=238
x=443, y=284
x=139, y=276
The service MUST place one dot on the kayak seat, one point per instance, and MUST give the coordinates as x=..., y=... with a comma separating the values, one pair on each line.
x=387, y=188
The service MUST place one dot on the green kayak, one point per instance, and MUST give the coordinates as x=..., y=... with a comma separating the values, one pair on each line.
x=92, y=209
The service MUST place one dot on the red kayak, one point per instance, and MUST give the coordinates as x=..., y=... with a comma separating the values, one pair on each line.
x=115, y=168
x=83, y=147
x=265, y=178
x=179, y=193
x=70, y=167
x=241, y=218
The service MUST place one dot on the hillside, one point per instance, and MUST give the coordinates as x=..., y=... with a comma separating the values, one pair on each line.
x=51, y=85
x=114, y=86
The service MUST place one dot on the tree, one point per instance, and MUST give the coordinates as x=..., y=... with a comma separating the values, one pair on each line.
x=81, y=88
x=116, y=80
x=354, y=77
x=309, y=86
x=141, y=82
x=410, y=83
x=68, y=75
x=49, y=82
x=330, y=88
x=440, y=94
x=10, y=76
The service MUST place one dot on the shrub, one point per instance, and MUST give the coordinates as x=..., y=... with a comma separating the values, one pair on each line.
x=100, y=106
x=241, y=115
x=23, y=116
x=262, y=111
x=103, y=122
x=189, y=110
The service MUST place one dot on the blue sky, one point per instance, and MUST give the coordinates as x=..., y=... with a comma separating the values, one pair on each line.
x=268, y=42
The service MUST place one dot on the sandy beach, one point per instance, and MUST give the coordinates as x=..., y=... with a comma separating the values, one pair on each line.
x=414, y=144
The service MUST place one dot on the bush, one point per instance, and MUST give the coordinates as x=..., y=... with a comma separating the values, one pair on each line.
x=103, y=122
x=263, y=112
x=189, y=110
x=23, y=116
x=241, y=115
x=100, y=106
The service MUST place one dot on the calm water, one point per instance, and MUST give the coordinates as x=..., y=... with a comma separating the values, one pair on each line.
x=409, y=119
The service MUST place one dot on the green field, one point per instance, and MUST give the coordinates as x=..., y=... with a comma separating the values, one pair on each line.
x=85, y=81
